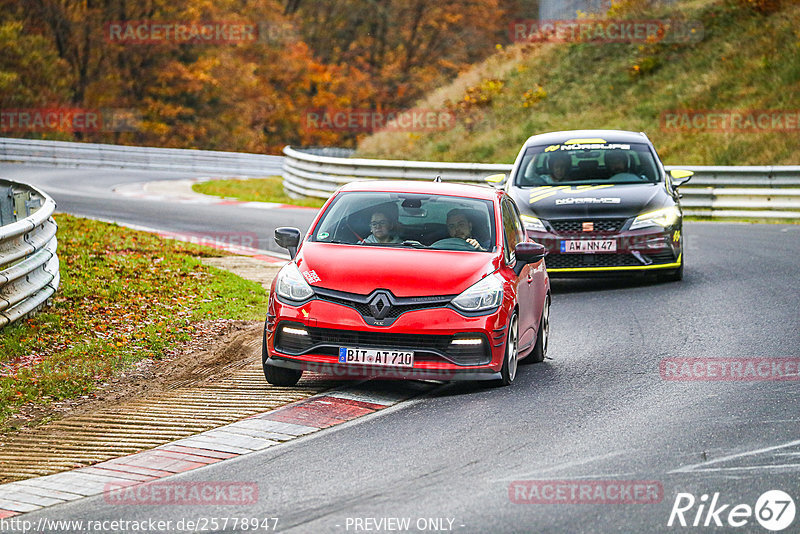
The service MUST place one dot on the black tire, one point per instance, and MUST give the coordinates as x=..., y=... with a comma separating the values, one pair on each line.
x=280, y=376
x=509, y=370
x=542, y=336
x=277, y=376
x=673, y=275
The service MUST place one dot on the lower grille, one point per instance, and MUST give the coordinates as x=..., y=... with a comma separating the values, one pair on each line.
x=378, y=339
x=576, y=261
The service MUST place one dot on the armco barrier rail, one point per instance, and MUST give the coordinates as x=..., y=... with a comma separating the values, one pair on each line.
x=67, y=154
x=29, y=272
x=742, y=192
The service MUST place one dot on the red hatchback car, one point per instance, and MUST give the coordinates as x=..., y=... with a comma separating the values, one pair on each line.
x=420, y=280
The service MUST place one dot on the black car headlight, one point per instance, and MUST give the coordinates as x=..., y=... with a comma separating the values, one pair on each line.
x=664, y=217
x=533, y=224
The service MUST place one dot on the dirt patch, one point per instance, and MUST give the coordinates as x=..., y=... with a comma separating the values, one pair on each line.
x=211, y=351
x=214, y=380
x=214, y=346
x=248, y=268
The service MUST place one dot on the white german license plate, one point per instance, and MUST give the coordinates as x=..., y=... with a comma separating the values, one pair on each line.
x=588, y=245
x=394, y=358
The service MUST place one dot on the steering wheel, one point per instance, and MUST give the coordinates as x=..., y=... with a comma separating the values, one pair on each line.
x=628, y=176
x=453, y=243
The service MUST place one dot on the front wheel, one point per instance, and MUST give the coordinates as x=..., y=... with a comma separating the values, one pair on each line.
x=280, y=376
x=542, y=336
x=277, y=376
x=509, y=370
x=674, y=275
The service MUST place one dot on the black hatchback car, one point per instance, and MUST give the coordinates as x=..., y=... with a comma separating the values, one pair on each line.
x=601, y=202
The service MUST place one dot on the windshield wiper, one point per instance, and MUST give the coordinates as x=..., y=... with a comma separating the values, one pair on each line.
x=412, y=243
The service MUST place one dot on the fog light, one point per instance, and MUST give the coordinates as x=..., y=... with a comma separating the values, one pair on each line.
x=467, y=341
x=289, y=331
x=293, y=339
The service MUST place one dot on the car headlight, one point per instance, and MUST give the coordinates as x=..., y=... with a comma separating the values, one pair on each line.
x=483, y=295
x=663, y=217
x=291, y=285
x=533, y=224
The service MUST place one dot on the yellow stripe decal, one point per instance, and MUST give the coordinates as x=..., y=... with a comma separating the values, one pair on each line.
x=539, y=195
x=543, y=192
x=590, y=141
x=595, y=269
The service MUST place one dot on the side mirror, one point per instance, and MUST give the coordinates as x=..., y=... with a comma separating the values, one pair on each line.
x=680, y=177
x=528, y=252
x=288, y=238
x=496, y=180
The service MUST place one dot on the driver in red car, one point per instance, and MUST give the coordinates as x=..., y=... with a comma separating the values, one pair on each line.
x=459, y=226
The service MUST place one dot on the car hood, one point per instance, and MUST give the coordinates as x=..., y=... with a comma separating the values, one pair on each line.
x=567, y=202
x=406, y=272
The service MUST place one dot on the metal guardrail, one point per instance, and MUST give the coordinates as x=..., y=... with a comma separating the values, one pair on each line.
x=29, y=273
x=68, y=154
x=741, y=192
x=311, y=175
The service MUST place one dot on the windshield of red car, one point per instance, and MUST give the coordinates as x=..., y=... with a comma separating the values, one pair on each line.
x=408, y=220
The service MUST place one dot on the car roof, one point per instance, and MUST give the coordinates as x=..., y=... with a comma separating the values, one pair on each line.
x=610, y=136
x=424, y=187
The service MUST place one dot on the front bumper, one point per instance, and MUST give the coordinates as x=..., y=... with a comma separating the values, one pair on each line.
x=363, y=372
x=309, y=336
x=637, y=251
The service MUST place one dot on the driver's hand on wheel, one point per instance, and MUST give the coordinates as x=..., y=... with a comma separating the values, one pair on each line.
x=474, y=243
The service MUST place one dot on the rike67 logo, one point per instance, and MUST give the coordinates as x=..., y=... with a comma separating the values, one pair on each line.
x=774, y=510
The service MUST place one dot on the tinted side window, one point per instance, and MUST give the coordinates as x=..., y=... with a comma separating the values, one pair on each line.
x=512, y=230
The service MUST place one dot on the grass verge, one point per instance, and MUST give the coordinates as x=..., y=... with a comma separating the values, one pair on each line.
x=755, y=220
x=254, y=190
x=125, y=296
x=745, y=59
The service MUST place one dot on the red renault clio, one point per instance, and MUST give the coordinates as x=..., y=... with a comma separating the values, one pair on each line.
x=407, y=279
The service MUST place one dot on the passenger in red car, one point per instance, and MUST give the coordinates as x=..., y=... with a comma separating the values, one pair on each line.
x=384, y=229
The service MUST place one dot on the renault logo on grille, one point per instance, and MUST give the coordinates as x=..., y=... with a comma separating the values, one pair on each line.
x=380, y=306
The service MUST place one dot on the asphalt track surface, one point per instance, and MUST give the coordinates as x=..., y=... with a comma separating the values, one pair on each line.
x=598, y=410
x=89, y=192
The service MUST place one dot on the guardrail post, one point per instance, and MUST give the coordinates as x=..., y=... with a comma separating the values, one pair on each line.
x=32, y=205
x=20, y=201
x=6, y=206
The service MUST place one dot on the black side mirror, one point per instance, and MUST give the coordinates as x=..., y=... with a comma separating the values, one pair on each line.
x=528, y=252
x=288, y=238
